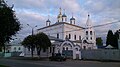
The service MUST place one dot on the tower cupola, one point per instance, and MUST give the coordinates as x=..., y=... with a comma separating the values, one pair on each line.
x=72, y=20
x=48, y=22
x=64, y=17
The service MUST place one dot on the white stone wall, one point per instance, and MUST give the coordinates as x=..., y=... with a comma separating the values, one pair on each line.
x=72, y=32
x=53, y=31
x=16, y=49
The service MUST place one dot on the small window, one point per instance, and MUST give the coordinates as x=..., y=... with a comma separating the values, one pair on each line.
x=84, y=47
x=86, y=32
x=75, y=37
x=80, y=38
x=66, y=48
x=86, y=38
x=90, y=32
x=69, y=36
x=91, y=38
x=14, y=48
x=57, y=35
x=19, y=48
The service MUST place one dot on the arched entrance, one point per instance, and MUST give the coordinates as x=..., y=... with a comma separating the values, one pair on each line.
x=67, y=48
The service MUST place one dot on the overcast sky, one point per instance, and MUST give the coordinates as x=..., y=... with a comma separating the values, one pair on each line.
x=35, y=12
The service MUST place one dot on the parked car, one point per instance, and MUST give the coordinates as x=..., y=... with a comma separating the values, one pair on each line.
x=57, y=57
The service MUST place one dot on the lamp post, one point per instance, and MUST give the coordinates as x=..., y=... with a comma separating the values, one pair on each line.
x=32, y=35
x=32, y=28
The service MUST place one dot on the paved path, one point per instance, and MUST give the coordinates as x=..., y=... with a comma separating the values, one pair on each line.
x=68, y=63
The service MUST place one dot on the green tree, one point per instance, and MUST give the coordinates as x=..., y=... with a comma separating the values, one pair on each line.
x=42, y=42
x=99, y=41
x=29, y=42
x=9, y=24
x=115, y=39
x=110, y=38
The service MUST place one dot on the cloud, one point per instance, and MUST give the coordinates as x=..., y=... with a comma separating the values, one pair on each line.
x=34, y=12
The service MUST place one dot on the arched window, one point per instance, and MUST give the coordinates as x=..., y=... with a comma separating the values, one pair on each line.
x=66, y=48
x=69, y=36
x=75, y=37
x=19, y=48
x=15, y=48
x=86, y=32
x=86, y=38
x=57, y=35
x=91, y=38
x=80, y=38
x=90, y=32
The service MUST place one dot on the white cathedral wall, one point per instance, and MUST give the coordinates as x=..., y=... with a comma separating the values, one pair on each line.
x=73, y=32
x=53, y=31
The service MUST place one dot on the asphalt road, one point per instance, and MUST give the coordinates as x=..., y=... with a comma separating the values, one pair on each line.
x=68, y=63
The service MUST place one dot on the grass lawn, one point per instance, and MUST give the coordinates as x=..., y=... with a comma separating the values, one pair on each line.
x=3, y=66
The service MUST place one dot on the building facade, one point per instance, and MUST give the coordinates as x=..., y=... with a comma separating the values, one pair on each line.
x=69, y=38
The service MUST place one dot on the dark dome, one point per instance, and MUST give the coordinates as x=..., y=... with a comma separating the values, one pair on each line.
x=48, y=20
x=64, y=15
x=72, y=18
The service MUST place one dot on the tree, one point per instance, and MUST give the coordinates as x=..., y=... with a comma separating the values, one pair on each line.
x=115, y=39
x=110, y=38
x=9, y=24
x=39, y=41
x=99, y=41
x=42, y=42
x=29, y=42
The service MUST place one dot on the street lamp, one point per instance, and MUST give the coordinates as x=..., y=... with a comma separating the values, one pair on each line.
x=32, y=28
x=32, y=35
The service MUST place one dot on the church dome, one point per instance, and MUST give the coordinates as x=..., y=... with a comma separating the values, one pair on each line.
x=72, y=18
x=48, y=20
x=64, y=15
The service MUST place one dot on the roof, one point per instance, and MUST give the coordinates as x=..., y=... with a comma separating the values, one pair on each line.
x=72, y=18
x=64, y=15
x=48, y=20
x=59, y=23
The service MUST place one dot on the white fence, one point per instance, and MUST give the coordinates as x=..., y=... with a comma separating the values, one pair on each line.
x=101, y=54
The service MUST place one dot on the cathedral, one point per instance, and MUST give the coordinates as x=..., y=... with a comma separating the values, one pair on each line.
x=67, y=37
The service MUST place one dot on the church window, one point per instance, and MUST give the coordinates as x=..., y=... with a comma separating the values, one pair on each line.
x=79, y=37
x=57, y=35
x=75, y=37
x=15, y=48
x=84, y=47
x=66, y=48
x=19, y=48
x=86, y=32
x=86, y=38
x=69, y=36
x=90, y=32
x=91, y=38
